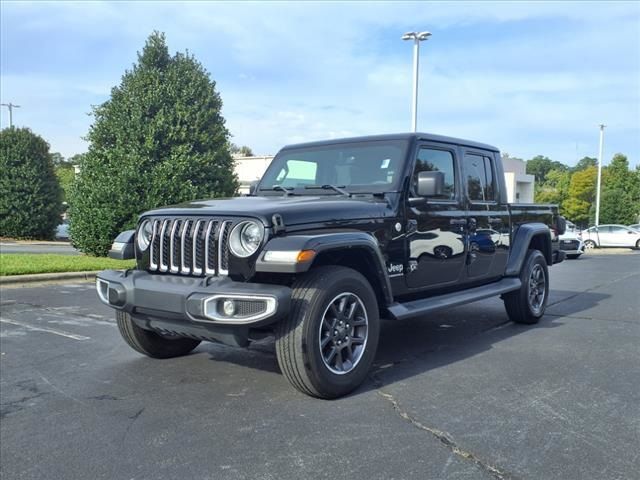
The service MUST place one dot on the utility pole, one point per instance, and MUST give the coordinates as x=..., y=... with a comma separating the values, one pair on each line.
x=602, y=125
x=417, y=38
x=10, y=106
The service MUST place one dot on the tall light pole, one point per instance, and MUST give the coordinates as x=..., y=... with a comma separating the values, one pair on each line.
x=10, y=106
x=417, y=37
x=602, y=125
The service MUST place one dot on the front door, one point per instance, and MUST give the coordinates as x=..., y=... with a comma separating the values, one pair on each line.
x=436, y=229
x=487, y=217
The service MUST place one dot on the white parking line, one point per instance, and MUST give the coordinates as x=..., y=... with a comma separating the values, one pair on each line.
x=62, y=333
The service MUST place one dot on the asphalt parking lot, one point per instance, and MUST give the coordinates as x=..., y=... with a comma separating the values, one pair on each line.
x=461, y=395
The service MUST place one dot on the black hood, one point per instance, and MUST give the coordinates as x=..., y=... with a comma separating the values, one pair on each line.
x=294, y=210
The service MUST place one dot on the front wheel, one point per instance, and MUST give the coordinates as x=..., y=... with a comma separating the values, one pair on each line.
x=528, y=303
x=590, y=244
x=327, y=344
x=150, y=343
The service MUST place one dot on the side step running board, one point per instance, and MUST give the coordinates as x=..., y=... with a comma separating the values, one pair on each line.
x=416, y=308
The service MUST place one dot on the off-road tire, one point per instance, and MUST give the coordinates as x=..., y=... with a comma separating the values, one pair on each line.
x=150, y=343
x=519, y=304
x=298, y=337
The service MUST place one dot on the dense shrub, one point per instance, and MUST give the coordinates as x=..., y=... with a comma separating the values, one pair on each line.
x=159, y=140
x=30, y=195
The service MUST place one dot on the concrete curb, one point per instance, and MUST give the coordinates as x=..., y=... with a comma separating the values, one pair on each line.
x=612, y=251
x=46, y=277
x=32, y=243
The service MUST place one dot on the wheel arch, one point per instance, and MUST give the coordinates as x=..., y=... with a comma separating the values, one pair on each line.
x=356, y=250
x=529, y=236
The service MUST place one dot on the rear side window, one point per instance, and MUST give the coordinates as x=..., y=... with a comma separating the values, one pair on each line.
x=432, y=160
x=480, y=178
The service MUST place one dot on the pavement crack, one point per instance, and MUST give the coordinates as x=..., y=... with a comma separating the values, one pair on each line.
x=442, y=437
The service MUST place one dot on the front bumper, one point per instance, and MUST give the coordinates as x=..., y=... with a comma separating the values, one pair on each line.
x=160, y=300
x=572, y=247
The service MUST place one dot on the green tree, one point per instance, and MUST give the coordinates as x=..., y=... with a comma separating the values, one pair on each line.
x=584, y=163
x=555, y=189
x=160, y=139
x=57, y=158
x=619, y=202
x=580, y=195
x=243, y=151
x=540, y=166
x=30, y=195
x=66, y=174
x=76, y=159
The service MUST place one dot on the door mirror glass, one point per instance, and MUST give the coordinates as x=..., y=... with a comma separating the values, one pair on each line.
x=430, y=184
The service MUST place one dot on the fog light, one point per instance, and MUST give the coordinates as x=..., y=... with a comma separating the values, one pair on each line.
x=229, y=307
x=102, y=288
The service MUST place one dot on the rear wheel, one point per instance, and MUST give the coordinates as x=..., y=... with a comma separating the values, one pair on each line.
x=327, y=344
x=528, y=303
x=150, y=343
x=590, y=244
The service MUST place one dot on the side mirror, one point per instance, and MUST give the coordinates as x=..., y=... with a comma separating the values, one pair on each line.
x=430, y=184
x=252, y=187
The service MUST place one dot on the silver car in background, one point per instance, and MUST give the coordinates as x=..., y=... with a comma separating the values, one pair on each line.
x=611, y=236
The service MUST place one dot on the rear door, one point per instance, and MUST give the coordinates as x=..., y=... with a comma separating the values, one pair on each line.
x=436, y=229
x=487, y=216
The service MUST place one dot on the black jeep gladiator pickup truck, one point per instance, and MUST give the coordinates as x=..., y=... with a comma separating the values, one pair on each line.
x=336, y=235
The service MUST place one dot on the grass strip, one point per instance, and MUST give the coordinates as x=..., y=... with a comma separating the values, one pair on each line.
x=25, y=263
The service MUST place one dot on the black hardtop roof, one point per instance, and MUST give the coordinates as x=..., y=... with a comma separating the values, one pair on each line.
x=429, y=137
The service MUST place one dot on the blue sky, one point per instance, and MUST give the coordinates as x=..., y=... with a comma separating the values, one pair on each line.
x=530, y=77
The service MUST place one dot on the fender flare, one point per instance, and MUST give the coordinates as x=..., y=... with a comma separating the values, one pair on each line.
x=324, y=243
x=520, y=245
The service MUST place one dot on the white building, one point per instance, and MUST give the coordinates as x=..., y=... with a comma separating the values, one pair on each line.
x=519, y=183
x=250, y=169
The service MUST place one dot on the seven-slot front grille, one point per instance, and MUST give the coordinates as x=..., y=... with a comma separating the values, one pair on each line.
x=190, y=246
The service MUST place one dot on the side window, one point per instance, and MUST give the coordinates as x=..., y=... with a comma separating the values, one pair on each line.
x=432, y=160
x=297, y=172
x=617, y=229
x=478, y=171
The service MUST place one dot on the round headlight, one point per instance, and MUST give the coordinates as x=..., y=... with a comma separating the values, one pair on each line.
x=245, y=238
x=145, y=231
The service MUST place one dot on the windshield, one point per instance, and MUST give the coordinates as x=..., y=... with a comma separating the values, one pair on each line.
x=365, y=167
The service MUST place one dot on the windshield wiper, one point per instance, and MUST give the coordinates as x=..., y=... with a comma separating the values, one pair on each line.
x=287, y=191
x=340, y=190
